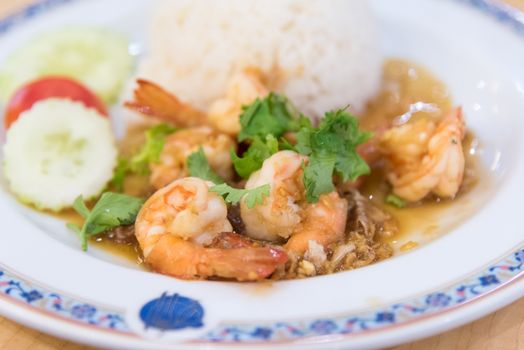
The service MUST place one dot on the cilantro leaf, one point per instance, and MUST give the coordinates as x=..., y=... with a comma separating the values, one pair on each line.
x=318, y=176
x=263, y=123
x=396, y=201
x=111, y=211
x=81, y=208
x=273, y=115
x=120, y=173
x=198, y=166
x=150, y=152
x=331, y=147
x=232, y=195
x=254, y=157
x=304, y=141
x=285, y=145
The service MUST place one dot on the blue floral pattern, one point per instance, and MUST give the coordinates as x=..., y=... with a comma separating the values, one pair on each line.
x=438, y=300
x=38, y=297
x=58, y=305
x=396, y=314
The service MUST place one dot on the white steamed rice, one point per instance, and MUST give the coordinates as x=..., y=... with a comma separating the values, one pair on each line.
x=324, y=54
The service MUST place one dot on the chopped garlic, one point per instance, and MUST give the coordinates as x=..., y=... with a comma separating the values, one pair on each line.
x=306, y=268
x=315, y=254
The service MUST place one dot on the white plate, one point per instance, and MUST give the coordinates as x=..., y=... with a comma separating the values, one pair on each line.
x=46, y=282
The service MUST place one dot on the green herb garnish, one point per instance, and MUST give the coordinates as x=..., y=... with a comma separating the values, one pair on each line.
x=120, y=174
x=149, y=153
x=232, y=195
x=332, y=150
x=396, y=201
x=263, y=123
x=151, y=150
x=273, y=115
x=254, y=157
x=198, y=166
x=111, y=211
x=318, y=176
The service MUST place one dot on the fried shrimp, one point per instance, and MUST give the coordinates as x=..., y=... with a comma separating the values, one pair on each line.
x=184, y=232
x=180, y=145
x=424, y=157
x=223, y=115
x=285, y=214
x=243, y=89
x=324, y=223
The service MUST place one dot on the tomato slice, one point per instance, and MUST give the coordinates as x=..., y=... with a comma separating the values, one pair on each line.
x=50, y=87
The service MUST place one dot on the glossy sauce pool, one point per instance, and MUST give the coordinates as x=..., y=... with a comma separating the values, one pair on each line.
x=404, y=83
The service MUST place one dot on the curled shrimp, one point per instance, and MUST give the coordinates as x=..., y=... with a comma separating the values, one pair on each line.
x=223, y=115
x=184, y=232
x=244, y=88
x=173, y=158
x=424, y=157
x=285, y=214
x=324, y=223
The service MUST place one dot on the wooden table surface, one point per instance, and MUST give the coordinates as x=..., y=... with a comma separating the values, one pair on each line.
x=502, y=330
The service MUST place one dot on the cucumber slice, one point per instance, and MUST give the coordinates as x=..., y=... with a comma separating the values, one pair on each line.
x=58, y=150
x=98, y=58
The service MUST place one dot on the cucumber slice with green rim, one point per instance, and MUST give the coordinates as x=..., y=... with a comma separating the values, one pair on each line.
x=96, y=57
x=59, y=150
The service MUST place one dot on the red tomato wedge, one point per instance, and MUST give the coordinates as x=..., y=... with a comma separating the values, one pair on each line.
x=50, y=87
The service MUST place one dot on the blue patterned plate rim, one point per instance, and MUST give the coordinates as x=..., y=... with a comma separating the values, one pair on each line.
x=478, y=285
x=505, y=272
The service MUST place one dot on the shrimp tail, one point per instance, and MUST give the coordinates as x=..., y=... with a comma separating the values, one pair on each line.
x=152, y=100
x=325, y=224
x=245, y=259
x=248, y=264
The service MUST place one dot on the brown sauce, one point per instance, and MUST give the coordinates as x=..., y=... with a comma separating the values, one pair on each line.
x=404, y=83
x=129, y=251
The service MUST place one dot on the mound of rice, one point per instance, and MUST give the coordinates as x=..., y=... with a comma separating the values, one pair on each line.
x=323, y=54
